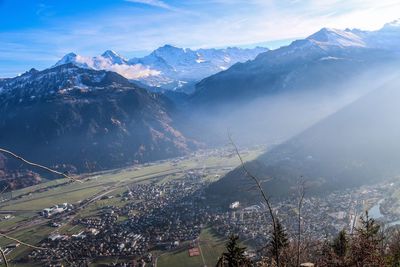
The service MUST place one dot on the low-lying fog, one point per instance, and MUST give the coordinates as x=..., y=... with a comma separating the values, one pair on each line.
x=274, y=119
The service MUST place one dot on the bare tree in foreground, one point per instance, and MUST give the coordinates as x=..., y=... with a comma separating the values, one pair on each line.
x=3, y=256
x=2, y=150
x=275, y=235
x=301, y=190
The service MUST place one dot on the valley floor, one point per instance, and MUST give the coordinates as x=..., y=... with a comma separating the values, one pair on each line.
x=157, y=213
x=20, y=215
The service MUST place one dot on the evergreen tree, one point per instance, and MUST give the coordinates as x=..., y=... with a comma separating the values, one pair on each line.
x=234, y=257
x=369, y=228
x=279, y=240
x=366, y=244
x=340, y=244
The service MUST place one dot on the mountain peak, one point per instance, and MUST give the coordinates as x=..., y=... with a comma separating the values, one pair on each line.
x=110, y=53
x=70, y=55
x=114, y=57
x=394, y=25
x=167, y=66
x=169, y=49
x=168, y=46
x=33, y=70
x=335, y=37
x=68, y=58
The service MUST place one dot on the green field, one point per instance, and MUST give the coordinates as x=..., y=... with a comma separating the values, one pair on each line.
x=31, y=235
x=211, y=247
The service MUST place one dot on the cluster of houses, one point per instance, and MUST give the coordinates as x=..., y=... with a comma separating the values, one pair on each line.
x=153, y=216
x=321, y=217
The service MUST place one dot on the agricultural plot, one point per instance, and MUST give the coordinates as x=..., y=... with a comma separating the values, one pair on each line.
x=210, y=245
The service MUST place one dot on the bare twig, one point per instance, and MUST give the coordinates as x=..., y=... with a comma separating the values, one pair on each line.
x=263, y=194
x=21, y=242
x=4, y=189
x=3, y=256
x=37, y=165
x=301, y=192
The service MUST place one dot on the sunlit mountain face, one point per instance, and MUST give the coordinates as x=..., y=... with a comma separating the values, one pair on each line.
x=168, y=67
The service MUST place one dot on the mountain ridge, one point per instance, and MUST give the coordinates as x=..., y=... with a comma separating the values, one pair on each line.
x=167, y=67
x=98, y=121
x=336, y=52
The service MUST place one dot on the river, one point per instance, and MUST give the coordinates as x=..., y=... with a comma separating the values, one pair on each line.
x=375, y=213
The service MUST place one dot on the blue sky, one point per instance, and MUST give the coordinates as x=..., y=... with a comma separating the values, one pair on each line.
x=37, y=33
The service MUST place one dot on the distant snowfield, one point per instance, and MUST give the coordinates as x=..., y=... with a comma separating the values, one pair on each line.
x=170, y=67
x=167, y=66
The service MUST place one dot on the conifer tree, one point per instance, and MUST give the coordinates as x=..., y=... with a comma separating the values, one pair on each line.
x=235, y=255
x=340, y=244
x=279, y=240
x=365, y=247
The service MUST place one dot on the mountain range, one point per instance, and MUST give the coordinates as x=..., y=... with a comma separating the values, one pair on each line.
x=168, y=67
x=86, y=114
x=329, y=56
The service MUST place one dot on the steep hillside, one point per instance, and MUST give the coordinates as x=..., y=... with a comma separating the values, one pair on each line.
x=84, y=120
x=357, y=145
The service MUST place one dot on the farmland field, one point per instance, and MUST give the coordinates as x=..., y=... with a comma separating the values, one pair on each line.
x=211, y=247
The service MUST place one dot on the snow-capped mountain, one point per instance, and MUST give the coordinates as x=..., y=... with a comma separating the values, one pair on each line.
x=387, y=37
x=334, y=37
x=59, y=79
x=167, y=67
x=181, y=66
x=109, y=57
x=329, y=56
x=114, y=58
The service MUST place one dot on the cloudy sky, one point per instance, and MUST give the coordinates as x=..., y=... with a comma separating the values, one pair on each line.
x=37, y=33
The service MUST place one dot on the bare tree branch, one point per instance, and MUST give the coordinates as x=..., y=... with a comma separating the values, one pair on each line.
x=3, y=256
x=38, y=165
x=301, y=190
x=258, y=184
x=4, y=189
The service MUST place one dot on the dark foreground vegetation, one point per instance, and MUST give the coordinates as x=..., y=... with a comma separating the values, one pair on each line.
x=369, y=245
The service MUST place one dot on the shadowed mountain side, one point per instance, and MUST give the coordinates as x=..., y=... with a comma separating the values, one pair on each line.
x=100, y=122
x=356, y=145
x=284, y=91
x=287, y=70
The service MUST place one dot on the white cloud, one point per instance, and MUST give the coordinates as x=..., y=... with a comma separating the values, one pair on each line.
x=156, y=3
x=133, y=71
x=194, y=23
